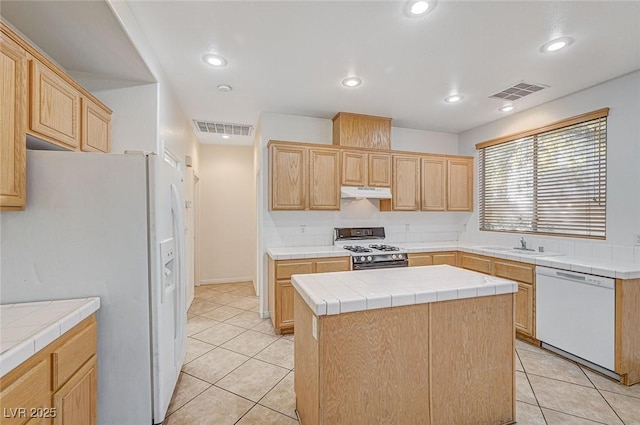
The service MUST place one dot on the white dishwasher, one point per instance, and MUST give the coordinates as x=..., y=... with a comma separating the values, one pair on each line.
x=575, y=313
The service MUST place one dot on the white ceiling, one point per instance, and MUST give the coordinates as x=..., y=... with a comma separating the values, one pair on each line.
x=290, y=56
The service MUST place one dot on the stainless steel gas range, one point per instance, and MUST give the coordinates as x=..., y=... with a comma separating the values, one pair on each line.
x=367, y=249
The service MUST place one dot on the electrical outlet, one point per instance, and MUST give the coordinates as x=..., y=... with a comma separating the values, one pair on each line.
x=303, y=227
x=637, y=241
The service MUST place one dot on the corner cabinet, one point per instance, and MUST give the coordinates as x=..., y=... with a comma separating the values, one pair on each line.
x=59, y=384
x=303, y=178
x=13, y=124
x=523, y=273
x=281, y=289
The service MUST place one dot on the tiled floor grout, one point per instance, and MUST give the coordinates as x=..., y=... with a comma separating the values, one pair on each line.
x=276, y=403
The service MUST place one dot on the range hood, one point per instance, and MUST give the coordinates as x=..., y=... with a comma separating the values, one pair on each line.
x=365, y=192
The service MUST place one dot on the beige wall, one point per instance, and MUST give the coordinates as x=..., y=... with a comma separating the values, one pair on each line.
x=227, y=217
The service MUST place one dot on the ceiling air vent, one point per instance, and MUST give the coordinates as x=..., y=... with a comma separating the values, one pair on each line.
x=223, y=128
x=518, y=91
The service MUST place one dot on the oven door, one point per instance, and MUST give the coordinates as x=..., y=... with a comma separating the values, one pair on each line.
x=381, y=265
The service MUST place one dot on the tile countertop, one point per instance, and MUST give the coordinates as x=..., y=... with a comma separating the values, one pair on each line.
x=606, y=268
x=344, y=292
x=26, y=328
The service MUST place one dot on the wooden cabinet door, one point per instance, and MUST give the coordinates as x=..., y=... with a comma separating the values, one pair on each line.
x=406, y=183
x=445, y=258
x=55, y=107
x=524, y=309
x=324, y=179
x=288, y=171
x=285, y=294
x=96, y=128
x=354, y=168
x=75, y=402
x=379, y=170
x=433, y=184
x=13, y=125
x=460, y=184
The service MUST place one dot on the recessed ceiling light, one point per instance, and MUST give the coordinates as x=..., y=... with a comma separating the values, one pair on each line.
x=557, y=44
x=352, y=82
x=419, y=8
x=214, y=60
x=226, y=136
x=506, y=108
x=453, y=98
x=224, y=88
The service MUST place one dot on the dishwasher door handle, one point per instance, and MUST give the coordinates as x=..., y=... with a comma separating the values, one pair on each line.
x=571, y=276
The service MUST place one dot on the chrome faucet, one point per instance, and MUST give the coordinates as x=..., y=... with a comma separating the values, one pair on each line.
x=523, y=243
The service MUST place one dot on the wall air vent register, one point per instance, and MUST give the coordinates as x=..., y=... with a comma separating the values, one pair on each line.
x=223, y=128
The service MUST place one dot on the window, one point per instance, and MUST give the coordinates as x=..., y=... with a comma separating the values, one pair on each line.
x=551, y=180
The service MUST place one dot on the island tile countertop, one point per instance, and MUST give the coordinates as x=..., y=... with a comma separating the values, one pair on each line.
x=606, y=268
x=26, y=328
x=344, y=292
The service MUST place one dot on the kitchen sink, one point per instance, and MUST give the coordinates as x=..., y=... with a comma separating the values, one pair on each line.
x=518, y=251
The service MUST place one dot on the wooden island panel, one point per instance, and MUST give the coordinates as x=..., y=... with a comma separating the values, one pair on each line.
x=478, y=335
x=425, y=364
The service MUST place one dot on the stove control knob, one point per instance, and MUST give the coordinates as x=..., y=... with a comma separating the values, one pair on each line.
x=400, y=257
x=362, y=258
x=393, y=256
x=369, y=258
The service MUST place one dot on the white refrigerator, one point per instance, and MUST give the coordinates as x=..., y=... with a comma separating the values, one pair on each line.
x=112, y=226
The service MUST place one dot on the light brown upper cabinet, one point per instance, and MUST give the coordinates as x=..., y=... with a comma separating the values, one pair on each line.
x=406, y=183
x=55, y=108
x=13, y=124
x=361, y=131
x=324, y=181
x=434, y=179
x=366, y=169
x=288, y=172
x=303, y=177
x=96, y=128
x=460, y=184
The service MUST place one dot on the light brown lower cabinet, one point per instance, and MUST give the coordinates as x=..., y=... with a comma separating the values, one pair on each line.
x=442, y=363
x=281, y=289
x=523, y=273
x=432, y=258
x=56, y=386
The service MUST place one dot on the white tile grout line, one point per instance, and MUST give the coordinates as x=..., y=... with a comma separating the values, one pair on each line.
x=603, y=397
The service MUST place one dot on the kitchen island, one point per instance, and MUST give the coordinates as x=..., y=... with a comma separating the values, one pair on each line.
x=420, y=345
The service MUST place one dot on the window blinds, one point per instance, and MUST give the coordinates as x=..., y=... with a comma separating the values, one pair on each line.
x=551, y=182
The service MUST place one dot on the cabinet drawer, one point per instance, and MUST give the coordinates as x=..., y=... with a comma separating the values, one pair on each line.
x=341, y=264
x=420, y=260
x=521, y=273
x=31, y=390
x=73, y=354
x=445, y=258
x=285, y=270
x=475, y=263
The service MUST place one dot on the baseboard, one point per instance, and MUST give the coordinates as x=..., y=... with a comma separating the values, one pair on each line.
x=227, y=280
x=265, y=315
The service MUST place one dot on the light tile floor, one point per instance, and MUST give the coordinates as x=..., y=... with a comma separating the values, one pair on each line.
x=238, y=371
